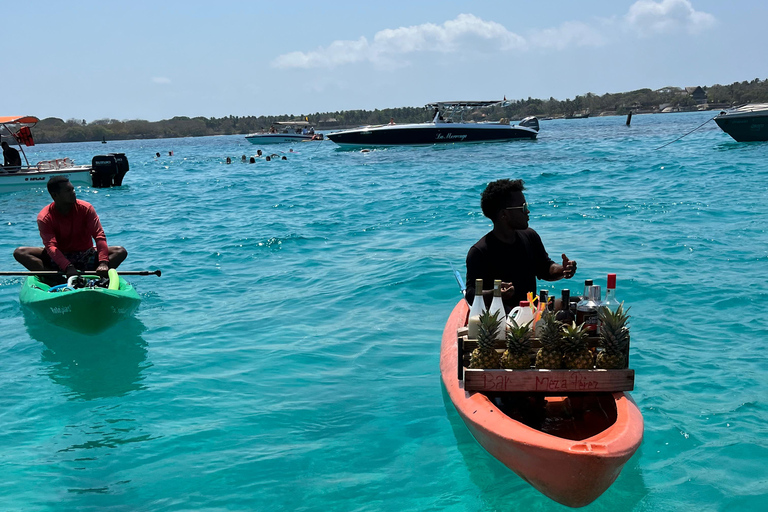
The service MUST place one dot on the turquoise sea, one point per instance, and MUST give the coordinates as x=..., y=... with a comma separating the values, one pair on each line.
x=288, y=357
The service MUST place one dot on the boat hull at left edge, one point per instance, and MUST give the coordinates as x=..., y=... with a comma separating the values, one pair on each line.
x=105, y=170
x=573, y=472
x=24, y=179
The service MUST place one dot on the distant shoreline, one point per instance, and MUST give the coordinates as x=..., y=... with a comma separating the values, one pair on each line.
x=641, y=101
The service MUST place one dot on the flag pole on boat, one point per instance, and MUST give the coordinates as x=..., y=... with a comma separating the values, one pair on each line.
x=459, y=280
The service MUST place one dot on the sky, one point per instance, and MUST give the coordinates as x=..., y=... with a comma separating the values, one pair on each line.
x=158, y=59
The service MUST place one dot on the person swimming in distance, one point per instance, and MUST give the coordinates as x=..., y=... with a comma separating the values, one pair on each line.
x=258, y=153
x=284, y=158
x=170, y=153
x=157, y=155
x=243, y=159
x=252, y=160
x=268, y=159
x=229, y=160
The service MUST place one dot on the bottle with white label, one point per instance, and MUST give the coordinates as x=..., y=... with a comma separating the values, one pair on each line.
x=478, y=306
x=497, y=306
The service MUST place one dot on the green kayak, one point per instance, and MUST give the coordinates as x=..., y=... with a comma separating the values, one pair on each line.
x=84, y=310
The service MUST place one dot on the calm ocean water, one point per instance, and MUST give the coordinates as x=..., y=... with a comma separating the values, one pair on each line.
x=287, y=359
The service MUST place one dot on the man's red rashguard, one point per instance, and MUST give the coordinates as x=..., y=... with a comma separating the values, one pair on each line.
x=73, y=232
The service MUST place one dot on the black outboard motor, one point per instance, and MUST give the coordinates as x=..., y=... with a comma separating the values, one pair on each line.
x=122, y=168
x=104, y=169
x=530, y=122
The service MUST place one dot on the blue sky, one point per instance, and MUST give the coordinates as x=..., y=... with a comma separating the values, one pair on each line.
x=155, y=60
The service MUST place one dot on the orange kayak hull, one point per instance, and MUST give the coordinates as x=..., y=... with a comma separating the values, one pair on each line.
x=573, y=472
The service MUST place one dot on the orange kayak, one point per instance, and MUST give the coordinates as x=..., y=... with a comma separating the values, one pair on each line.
x=569, y=448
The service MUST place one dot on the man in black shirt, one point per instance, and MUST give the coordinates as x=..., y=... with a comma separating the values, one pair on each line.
x=10, y=156
x=512, y=251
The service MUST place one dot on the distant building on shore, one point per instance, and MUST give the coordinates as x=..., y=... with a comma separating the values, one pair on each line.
x=698, y=94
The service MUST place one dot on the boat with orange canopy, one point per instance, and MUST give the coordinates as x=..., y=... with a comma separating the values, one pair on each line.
x=569, y=445
x=104, y=171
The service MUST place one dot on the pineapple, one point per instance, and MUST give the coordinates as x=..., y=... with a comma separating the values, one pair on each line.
x=485, y=355
x=518, y=345
x=550, y=354
x=614, y=338
x=577, y=354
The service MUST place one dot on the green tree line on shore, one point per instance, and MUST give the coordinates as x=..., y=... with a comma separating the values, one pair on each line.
x=643, y=100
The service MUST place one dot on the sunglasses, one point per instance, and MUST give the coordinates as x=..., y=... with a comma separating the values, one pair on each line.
x=524, y=208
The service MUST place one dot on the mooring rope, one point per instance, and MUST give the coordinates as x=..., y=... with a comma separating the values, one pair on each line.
x=690, y=132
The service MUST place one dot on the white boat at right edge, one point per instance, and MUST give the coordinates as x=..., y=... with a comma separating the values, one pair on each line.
x=447, y=126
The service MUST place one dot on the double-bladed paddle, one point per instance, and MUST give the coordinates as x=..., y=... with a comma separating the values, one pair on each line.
x=88, y=272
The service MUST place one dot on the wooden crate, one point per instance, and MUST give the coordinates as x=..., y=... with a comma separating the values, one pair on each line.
x=550, y=381
x=535, y=380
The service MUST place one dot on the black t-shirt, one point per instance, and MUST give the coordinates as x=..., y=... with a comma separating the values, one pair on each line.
x=520, y=263
x=11, y=157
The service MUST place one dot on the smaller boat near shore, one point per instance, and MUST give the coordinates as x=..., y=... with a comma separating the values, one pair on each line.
x=446, y=127
x=746, y=123
x=285, y=132
x=87, y=309
x=105, y=170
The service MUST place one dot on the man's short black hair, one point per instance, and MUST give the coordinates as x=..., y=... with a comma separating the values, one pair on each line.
x=55, y=184
x=496, y=196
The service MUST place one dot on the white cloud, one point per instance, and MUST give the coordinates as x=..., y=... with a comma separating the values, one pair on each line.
x=469, y=35
x=568, y=34
x=161, y=80
x=650, y=17
x=466, y=33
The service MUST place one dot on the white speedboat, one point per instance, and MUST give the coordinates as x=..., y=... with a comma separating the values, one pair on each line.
x=447, y=126
x=285, y=131
x=746, y=123
x=104, y=171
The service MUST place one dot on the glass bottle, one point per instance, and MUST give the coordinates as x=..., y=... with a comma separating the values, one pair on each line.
x=574, y=302
x=543, y=300
x=565, y=315
x=586, y=310
x=611, y=302
x=497, y=306
x=477, y=308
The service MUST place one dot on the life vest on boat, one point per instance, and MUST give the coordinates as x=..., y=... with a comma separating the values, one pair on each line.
x=24, y=136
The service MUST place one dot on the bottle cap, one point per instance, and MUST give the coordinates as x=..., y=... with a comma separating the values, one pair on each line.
x=611, y=281
x=587, y=282
x=496, y=283
x=478, y=284
x=524, y=304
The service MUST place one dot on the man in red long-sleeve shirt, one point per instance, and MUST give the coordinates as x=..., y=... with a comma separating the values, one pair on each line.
x=68, y=228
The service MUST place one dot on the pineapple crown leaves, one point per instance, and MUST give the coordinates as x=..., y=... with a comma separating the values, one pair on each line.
x=522, y=329
x=619, y=317
x=574, y=336
x=518, y=335
x=551, y=333
x=490, y=323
